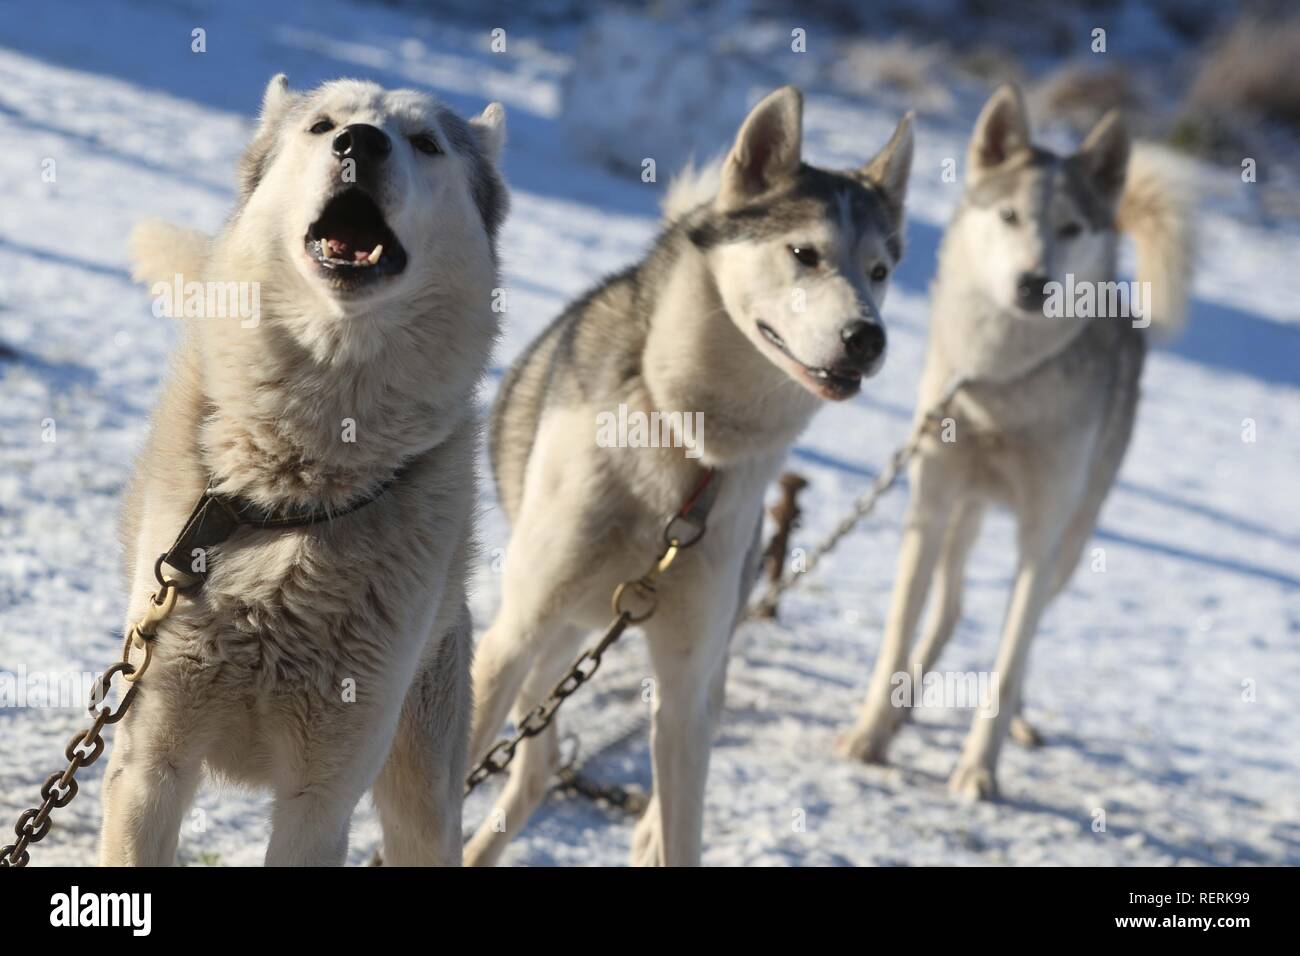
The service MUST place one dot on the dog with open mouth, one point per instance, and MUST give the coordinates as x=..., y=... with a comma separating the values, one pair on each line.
x=760, y=300
x=321, y=648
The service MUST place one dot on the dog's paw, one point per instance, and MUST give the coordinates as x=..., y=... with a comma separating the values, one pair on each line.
x=1023, y=732
x=866, y=743
x=973, y=783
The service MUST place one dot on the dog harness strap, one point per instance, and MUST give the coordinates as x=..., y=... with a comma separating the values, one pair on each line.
x=698, y=502
x=211, y=522
x=254, y=515
x=217, y=516
x=686, y=526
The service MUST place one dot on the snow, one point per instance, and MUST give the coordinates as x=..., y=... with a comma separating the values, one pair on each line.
x=1139, y=672
x=645, y=90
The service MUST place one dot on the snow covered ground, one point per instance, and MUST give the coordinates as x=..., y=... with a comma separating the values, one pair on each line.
x=1139, y=674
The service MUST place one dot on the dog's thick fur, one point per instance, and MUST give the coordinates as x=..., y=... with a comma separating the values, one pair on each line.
x=1046, y=421
x=680, y=331
x=320, y=661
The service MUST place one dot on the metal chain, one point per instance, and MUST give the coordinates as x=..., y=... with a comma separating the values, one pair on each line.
x=539, y=718
x=572, y=780
x=887, y=478
x=613, y=795
x=87, y=746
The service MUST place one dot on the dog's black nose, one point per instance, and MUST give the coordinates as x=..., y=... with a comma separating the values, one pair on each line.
x=361, y=141
x=1031, y=290
x=864, y=341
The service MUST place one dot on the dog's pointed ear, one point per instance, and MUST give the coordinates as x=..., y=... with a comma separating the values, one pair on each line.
x=489, y=129
x=767, y=148
x=276, y=102
x=1001, y=132
x=889, y=169
x=1105, y=154
x=276, y=98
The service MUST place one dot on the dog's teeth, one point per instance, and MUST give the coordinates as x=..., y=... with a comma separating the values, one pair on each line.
x=375, y=253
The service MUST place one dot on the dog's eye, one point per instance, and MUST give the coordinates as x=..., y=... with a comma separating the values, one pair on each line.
x=426, y=144
x=879, y=273
x=1009, y=216
x=321, y=126
x=806, y=255
x=1070, y=230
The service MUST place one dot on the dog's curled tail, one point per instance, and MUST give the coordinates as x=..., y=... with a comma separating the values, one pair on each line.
x=691, y=188
x=1153, y=211
x=161, y=251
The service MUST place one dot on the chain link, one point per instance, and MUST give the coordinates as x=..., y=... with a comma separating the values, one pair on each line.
x=888, y=477
x=631, y=802
x=87, y=746
x=539, y=718
x=570, y=778
x=679, y=534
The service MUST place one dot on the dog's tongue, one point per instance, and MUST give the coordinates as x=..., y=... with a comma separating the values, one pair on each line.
x=347, y=247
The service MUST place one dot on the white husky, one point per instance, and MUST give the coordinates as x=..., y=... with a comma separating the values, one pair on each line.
x=331, y=655
x=1044, y=423
x=760, y=299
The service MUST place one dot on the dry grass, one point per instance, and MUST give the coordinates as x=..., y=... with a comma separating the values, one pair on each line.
x=1080, y=93
x=1250, y=76
x=894, y=67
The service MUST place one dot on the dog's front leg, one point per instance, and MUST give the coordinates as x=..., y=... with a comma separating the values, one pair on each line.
x=690, y=668
x=419, y=791
x=1039, y=539
x=310, y=828
x=933, y=482
x=325, y=766
x=146, y=791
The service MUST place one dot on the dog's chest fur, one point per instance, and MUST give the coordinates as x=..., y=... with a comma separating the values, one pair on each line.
x=313, y=607
x=284, y=611
x=1066, y=391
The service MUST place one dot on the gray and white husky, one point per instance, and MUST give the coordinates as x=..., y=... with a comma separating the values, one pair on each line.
x=1045, y=422
x=321, y=661
x=759, y=300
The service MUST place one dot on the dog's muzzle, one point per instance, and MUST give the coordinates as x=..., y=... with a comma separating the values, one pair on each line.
x=836, y=382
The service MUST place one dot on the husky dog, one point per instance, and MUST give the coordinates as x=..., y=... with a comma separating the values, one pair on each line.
x=1045, y=422
x=760, y=299
x=321, y=661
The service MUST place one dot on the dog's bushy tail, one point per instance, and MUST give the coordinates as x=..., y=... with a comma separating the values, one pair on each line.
x=160, y=251
x=1154, y=212
x=690, y=188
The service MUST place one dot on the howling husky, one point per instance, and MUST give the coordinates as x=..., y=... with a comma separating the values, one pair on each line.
x=1045, y=421
x=332, y=655
x=761, y=298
